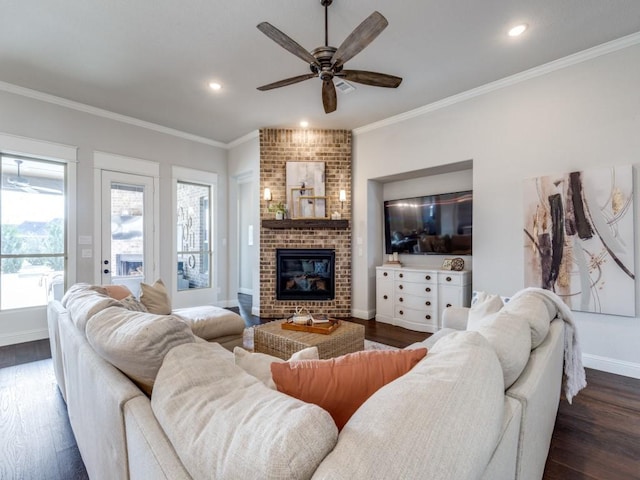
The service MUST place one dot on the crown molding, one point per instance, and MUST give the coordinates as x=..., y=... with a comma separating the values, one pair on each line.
x=243, y=139
x=99, y=112
x=583, y=56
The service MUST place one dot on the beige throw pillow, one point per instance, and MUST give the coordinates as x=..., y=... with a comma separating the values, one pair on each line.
x=136, y=342
x=259, y=364
x=156, y=298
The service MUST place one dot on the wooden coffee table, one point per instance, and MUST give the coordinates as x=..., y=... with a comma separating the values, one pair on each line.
x=271, y=338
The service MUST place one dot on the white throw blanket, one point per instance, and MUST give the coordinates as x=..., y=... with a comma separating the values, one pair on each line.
x=573, y=370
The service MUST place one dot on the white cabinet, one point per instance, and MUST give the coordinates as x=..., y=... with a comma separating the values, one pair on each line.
x=414, y=298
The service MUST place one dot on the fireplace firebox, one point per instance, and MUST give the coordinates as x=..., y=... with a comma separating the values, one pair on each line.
x=305, y=274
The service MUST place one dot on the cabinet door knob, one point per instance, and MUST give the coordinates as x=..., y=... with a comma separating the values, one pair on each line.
x=401, y=312
x=428, y=277
x=448, y=305
x=428, y=317
x=385, y=274
x=428, y=289
x=385, y=297
x=401, y=299
x=427, y=303
x=400, y=287
x=448, y=279
x=401, y=275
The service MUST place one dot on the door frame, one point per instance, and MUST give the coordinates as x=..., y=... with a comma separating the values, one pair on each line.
x=128, y=165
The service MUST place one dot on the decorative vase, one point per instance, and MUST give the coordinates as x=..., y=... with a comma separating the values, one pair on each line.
x=279, y=215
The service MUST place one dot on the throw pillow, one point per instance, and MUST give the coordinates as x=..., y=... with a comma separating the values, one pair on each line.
x=118, y=292
x=340, y=385
x=156, y=298
x=133, y=304
x=484, y=305
x=136, y=343
x=259, y=364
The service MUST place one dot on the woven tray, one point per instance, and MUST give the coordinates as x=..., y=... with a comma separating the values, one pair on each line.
x=323, y=328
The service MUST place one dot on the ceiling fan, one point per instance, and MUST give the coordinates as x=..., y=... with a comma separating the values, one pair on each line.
x=19, y=182
x=327, y=62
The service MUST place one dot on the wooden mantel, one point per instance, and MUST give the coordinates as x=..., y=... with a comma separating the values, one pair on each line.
x=305, y=223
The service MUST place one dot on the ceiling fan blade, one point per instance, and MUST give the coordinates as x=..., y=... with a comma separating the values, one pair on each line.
x=329, y=98
x=371, y=78
x=362, y=36
x=287, y=81
x=286, y=42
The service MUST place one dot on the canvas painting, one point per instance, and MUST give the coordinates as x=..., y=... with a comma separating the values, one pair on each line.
x=579, y=238
x=305, y=190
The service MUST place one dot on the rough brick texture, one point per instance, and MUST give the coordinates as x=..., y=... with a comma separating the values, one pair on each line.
x=333, y=147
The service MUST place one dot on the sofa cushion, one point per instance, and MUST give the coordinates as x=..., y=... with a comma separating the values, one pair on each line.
x=340, y=385
x=136, y=342
x=486, y=304
x=156, y=298
x=211, y=322
x=537, y=310
x=259, y=364
x=510, y=337
x=83, y=301
x=440, y=421
x=224, y=423
x=133, y=304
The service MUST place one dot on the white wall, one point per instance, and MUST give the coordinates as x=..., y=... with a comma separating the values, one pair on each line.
x=583, y=115
x=244, y=167
x=40, y=120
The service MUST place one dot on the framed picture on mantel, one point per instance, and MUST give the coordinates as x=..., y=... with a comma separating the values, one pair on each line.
x=306, y=190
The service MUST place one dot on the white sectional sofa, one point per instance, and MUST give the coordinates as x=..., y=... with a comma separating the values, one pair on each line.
x=450, y=417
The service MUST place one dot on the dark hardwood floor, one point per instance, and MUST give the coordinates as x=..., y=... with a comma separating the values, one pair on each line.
x=596, y=438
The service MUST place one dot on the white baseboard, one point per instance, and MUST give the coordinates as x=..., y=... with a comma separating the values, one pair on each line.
x=255, y=311
x=363, y=314
x=611, y=365
x=227, y=303
x=24, y=336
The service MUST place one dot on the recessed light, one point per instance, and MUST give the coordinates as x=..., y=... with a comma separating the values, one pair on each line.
x=518, y=30
x=215, y=86
x=304, y=124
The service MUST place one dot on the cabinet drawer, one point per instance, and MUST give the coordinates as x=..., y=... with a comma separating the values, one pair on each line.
x=447, y=278
x=424, y=290
x=384, y=274
x=413, y=301
x=416, y=277
x=416, y=316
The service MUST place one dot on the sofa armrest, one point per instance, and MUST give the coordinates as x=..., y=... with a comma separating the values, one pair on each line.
x=455, y=317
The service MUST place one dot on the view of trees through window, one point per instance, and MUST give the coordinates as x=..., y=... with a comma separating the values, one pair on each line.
x=32, y=231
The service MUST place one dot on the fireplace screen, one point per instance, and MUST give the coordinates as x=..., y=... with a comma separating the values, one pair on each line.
x=305, y=274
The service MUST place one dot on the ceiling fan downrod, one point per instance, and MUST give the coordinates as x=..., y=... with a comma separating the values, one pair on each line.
x=325, y=4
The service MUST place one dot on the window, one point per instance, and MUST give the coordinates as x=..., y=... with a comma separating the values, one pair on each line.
x=33, y=231
x=193, y=235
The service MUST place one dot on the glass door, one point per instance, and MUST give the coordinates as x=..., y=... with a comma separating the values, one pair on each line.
x=127, y=229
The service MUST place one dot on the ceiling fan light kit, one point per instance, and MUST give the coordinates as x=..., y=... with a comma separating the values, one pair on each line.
x=327, y=62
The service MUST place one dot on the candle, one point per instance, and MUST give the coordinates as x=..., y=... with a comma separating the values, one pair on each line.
x=395, y=256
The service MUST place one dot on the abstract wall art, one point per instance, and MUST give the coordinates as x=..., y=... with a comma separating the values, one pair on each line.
x=305, y=190
x=579, y=238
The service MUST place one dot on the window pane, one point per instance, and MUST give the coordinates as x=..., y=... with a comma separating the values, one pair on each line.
x=127, y=233
x=32, y=228
x=194, y=233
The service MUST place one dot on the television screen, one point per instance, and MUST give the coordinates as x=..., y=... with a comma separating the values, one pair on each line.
x=433, y=224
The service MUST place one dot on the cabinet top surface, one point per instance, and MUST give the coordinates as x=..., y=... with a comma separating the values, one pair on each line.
x=417, y=269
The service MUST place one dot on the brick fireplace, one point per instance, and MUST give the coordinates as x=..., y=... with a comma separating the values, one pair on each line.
x=333, y=147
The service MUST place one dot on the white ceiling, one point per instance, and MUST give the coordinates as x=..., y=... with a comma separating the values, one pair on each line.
x=153, y=59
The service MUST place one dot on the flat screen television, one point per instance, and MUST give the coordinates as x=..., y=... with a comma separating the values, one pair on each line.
x=429, y=225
